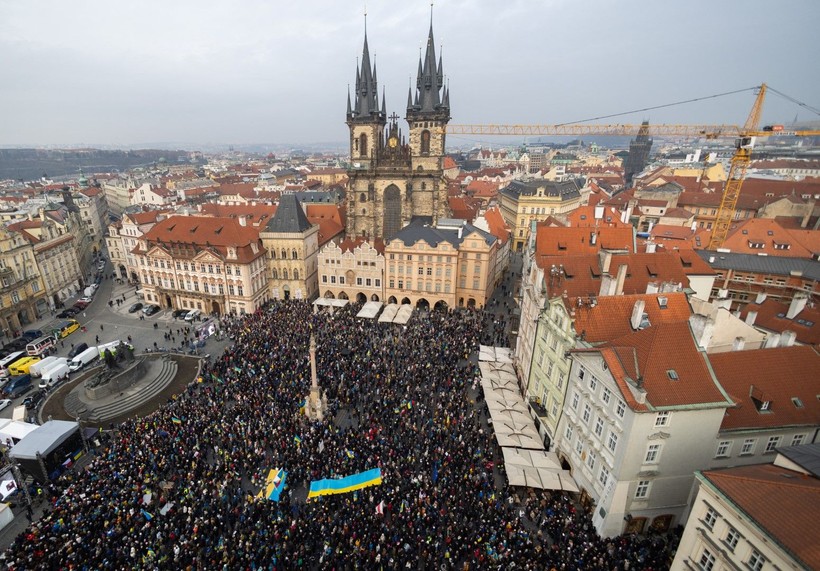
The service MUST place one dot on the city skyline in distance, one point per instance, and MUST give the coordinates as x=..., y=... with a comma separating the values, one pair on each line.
x=259, y=73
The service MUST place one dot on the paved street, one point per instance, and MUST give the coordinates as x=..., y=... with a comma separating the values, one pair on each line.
x=108, y=323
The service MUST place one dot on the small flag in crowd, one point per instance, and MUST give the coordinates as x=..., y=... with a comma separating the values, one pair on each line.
x=350, y=454
x=297, y=439
x=176, y=420
x=237, y=369
x=380, y=508
x=148, y=516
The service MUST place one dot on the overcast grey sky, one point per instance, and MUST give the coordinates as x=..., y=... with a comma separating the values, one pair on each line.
x=264, y=71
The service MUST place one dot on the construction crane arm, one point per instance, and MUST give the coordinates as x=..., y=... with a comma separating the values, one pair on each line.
x=620, y=130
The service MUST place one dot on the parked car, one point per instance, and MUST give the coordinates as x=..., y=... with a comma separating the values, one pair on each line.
x=151, y=309
x=86, y=299
x=68, y=313
x=83, y=359
x=32, y=334
x=4, y=403
x=80, y=305
x=33, y=401
x=18, y=386
x=135, y=307
x=79, y=348
x=18, y=344
x=192, y=315
x=179, y=313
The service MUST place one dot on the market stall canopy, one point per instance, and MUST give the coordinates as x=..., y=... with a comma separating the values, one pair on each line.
x=404, y=314
x=370, y=310
x=389, y=313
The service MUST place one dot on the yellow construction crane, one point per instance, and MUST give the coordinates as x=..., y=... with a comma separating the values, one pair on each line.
x=745, y=138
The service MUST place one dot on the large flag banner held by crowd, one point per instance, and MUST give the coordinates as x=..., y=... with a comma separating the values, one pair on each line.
x=347, y=484
x=274, y=484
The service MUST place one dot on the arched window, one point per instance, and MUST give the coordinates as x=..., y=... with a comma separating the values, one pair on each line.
x=425, y=142
x=274, y=274
x=362, y=145
x=284, y=254
x=296, y=274
x=273, y=254
x=424, y=186
x=294, y=255
x=284, y=273
x=362, y=197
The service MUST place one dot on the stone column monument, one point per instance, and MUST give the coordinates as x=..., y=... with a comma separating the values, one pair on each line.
x=316, y=401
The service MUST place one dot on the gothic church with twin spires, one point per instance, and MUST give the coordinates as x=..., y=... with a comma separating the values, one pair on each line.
x=392, y=177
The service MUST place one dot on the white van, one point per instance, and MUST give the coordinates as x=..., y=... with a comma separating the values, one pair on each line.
x=112, y=346
x=37, y=369
x=193, y=314
x=54, y=375
x=83, y=359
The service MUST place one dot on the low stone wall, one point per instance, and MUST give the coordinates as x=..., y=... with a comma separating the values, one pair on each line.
x=118, y=382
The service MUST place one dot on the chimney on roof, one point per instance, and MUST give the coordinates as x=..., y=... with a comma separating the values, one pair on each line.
x=619, y=282
x=651, y=247
x=738, y=344
x=751, y=317
x=606, y=285
x=652, y=287
x=809, y=211
x=761, y=297
x=637, y=313
x=702, y=328
x=796, y=306
x=606, y=260
x=243, y=221
x=593, y=238
x=787, y=338
x=599, y=212
x=771, y=341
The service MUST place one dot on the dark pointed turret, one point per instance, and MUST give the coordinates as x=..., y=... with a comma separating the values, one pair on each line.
x=429, y=84
x=366, y=102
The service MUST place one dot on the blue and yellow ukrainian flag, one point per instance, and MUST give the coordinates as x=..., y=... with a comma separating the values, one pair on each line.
x=176, y=420
x=297, y=439
x=148, y=516
x=274, y=484
x=347, y=484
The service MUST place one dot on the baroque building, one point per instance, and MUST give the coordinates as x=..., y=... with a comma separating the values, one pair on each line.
x=393, y=178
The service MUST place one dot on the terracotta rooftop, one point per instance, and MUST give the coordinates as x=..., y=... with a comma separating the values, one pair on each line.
x=464, y=207
x=202, y=232
x=582, y=273
x=668, y=232
x=783, y=503
x=330, y=219
x=672, y=370
x=778, y=376
x=550, y=240
x=771, y=315
x=496, y=224
x=611, y=315
x=584, y=217
x=765, y=235
x=255, y=214
x=244, y=189
x=350, y=244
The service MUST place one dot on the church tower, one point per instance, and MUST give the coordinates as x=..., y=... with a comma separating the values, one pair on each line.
x=392, y=180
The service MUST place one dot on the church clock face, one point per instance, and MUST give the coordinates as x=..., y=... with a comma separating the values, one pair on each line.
x=393, y=142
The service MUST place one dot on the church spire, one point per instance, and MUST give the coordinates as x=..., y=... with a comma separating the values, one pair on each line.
x=430, y=80
x=365, y=105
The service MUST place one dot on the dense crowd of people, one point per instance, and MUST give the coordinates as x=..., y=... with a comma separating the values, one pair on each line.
x=176, y=489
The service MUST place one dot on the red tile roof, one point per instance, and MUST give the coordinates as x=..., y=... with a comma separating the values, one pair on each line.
x=495, y=222
x=774, y=375
x=610, y=317
x=584, y=217
x=771, y=315
x=330, y=219
x=550, y=240
x=202, y=233
x=657, y=350
x=766, y=231
x=256, y=214
x=243, y=189
x=350, y=244
x=449, y=163
x=582, y=273
x=464, y=207
x=781, y=502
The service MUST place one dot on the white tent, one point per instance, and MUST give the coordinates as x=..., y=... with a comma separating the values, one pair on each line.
x=370, y=310
x=14, y=429
x=536, y=469
x=389, y=313
x=404, y=314
x=43, y=439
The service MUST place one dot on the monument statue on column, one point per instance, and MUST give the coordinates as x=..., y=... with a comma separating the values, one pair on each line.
x=316, y=401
